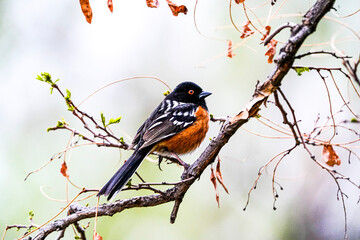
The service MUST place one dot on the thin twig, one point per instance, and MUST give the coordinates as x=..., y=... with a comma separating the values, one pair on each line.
x=320, y=52
x=285, y=119
x=80, y=230
x=275, y=195
x=259, y=175
x=277, y=30
x=61, y=234
x=330, y=104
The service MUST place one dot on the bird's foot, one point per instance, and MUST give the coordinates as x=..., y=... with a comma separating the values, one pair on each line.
x=181, y=162
x=159, y=162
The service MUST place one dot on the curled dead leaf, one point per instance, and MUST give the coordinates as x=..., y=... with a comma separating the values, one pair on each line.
x=243, y=115
x=86, y=9
x=246, y=31
x=97, y=236
x=230, y=50
x=152, y=3
x=219, y=176
x=268, y=29
x=176, y=9
x=110, y=5
x=239, y=1
x=271, y=50
x=329, y=155
x=213, y=180
x=63, y=170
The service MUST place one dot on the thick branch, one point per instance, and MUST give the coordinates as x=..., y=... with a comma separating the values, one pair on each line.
x=283, y=64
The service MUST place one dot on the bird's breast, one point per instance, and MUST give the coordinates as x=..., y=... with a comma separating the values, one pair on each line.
x=188, y=139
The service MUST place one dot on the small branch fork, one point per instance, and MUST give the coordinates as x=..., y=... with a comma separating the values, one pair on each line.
x=105, y=135
x=176, y=193
x=17, y=226
x=353, y=69
x=277, y=30
x=285, y=119
x=306, y=139
x=330, y=71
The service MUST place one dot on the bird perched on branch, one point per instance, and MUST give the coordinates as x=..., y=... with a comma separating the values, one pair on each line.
x=177, y=126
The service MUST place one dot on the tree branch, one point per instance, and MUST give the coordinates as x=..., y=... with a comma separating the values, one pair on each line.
x=284, y=63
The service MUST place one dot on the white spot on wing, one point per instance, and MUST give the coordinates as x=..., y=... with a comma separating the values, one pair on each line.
x=154, y=125
x=168, y=105
x=187, y=123
x=176, y=122
x=175, y=103
x=160, y=117
x=167, y=135
x=162, y=106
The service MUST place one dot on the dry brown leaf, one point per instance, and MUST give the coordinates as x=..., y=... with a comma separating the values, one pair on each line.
x=63, y=169
x=243, y=115
x=230, y=50
x=177, y=9
x=239, y=1
x=329, y=155
x=271, y=50
x=219, y=176
x=152, y=3
x=110, y=5
x=213, y=180
x=86, y=9
x=97, y=237
x=246, y=31
x=268, y=29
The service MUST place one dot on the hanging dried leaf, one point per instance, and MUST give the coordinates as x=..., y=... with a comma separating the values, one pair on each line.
x=152, y=3
x=110, y=5
x=329, y=155
x=213, y=180
x=63, y=170
x=97, y=237
x=239, y=1
x=268, y=29
x=230, y=50
x=271, y=50
x=219, y=176
x=86, y=9
x=177, y=9
x=246, y=31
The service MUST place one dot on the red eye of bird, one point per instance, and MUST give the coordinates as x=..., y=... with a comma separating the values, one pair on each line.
x=191, y=92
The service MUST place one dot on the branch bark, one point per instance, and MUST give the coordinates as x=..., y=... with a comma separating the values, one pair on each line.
x=299, y=33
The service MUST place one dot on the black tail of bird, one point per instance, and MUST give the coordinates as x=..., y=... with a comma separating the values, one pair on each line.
x=123, y=175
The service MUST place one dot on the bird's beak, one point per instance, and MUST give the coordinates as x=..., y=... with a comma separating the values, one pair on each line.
x=204, y=94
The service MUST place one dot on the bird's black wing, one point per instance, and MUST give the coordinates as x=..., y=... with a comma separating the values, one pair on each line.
x=171, y=122
x=160, y=110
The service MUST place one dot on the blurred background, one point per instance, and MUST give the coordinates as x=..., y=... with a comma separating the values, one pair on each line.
x=53, y=36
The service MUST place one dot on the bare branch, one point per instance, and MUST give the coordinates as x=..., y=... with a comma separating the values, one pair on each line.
x=285, y=119
x=80, y=230
x=321, y=52
x=353, y=69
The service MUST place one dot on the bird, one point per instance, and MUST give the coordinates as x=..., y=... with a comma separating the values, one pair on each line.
x=177, y=126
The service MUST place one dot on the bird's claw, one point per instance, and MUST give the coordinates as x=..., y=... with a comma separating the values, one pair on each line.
x=160, y=160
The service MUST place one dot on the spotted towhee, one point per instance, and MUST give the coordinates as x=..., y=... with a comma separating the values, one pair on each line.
x=177, y=126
